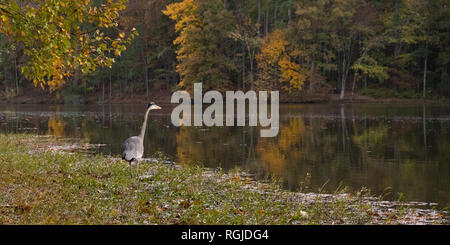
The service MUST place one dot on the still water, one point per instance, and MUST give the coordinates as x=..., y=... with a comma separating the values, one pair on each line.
x=399, y=149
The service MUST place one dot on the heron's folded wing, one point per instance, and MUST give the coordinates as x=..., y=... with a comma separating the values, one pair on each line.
x=129, y=148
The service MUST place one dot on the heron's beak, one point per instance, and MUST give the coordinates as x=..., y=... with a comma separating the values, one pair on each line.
x=155, y=107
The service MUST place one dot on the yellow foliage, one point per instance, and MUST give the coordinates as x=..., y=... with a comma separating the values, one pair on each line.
x=187, y=20
x=275, y=63
x=290, y=73
x=273, y=47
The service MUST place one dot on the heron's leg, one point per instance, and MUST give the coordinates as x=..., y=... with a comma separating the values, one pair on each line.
x=137, y=173
x=131, y=169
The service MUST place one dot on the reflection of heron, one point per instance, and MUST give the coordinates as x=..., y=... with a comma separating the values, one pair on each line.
x=133, y=147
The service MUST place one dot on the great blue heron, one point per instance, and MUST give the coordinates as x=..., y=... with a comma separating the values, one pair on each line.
x=133, y=147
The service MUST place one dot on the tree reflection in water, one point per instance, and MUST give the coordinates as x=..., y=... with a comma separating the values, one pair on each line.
x=377, y=146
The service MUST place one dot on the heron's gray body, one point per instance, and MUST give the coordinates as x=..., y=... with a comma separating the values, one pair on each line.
x=133, y=149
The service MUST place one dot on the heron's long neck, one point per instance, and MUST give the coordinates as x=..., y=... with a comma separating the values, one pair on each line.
x=144, y=125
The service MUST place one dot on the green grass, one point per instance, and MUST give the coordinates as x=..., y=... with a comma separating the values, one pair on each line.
x=43, y=186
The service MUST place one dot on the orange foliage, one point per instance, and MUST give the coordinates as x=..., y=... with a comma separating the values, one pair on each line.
x=276, y=65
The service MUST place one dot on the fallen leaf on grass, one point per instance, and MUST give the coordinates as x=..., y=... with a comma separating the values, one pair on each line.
x=236, y=178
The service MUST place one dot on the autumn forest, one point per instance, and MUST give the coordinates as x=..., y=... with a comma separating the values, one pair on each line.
x=73, y=49
x=91, y=131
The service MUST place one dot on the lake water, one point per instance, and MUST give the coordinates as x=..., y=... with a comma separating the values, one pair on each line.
x=399, y=149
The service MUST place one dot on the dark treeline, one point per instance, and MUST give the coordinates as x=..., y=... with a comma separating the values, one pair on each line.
x=381, y=48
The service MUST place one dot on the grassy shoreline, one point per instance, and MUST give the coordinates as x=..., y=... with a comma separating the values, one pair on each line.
x=43, y=185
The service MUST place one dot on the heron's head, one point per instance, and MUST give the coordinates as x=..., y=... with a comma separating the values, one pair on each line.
x=153, y=106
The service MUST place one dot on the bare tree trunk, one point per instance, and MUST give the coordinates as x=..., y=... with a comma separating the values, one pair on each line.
x=120, y=89
x=275, y=13
x=243, y=66
x=76, y=78
x=397, y=46
x=342, y=89
x=365, y=81
x=259, y=17
x=354, y=82
x=146, y=78
x=5, y=74
x=345, y=67
x=343, y=80
x=252, y=86
x=266, y=23
x=110, y=116
x=425, y=75
x=15, y=74
x=311, y=78
x=103, y=91
x=289, y=15
x=110, y=85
